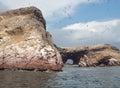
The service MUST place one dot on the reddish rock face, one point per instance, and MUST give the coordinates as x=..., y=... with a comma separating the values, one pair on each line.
x=24, y=42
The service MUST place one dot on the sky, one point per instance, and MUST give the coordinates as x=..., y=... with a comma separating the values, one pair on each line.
x=76, y=22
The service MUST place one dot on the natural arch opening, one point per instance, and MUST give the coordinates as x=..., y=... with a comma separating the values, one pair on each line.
x=75, y=54
x=69, y=62
x=72, y=61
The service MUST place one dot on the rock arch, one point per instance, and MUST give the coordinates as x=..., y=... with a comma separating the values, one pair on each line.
x=72, y=53
x=96, y=55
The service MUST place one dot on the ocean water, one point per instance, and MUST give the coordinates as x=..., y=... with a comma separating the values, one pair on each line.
x=71, y=77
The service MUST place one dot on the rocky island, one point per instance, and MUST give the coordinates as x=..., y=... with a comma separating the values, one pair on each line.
x=25, y=44
x=87, y=56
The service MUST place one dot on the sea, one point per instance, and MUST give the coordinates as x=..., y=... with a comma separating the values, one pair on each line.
x=71, y=77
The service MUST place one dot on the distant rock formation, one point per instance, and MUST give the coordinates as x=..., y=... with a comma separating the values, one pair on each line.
x=97, y=55
x=25, y=43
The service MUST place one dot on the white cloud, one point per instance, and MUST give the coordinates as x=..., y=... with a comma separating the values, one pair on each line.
x=74, y=34
x=59, y=8
x=88, y=33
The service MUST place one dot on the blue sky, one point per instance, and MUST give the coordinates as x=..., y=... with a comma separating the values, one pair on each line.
x=77, y=22
x=105, y=10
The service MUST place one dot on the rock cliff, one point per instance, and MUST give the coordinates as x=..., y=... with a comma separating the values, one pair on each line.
x=97, y=55
x=25, y=43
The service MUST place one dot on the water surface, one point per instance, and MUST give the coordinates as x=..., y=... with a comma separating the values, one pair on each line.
x=71, y=77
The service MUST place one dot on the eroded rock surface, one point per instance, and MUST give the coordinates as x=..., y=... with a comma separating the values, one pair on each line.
x=25, y=43
x=97, y=55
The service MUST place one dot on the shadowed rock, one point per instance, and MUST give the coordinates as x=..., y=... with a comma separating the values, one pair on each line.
x=25, y=43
